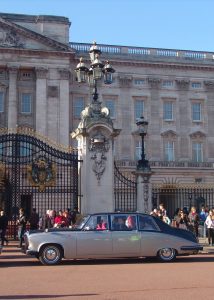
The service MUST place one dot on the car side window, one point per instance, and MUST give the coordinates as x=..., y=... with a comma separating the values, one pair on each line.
x=123, y=222
x=97, y=222
x=147, y=223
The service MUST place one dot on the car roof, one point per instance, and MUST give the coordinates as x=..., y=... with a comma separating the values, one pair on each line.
x=118, y=213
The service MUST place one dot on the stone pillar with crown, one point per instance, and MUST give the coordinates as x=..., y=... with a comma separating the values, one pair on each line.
x=95, y=135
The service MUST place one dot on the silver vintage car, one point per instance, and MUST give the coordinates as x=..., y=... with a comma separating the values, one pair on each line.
x=111, y=235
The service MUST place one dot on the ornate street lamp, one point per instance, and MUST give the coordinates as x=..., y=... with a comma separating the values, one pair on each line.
x=95, y=72
x=143, y=163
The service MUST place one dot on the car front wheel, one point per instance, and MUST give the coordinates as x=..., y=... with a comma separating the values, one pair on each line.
x=50, y=255
x=166, y=254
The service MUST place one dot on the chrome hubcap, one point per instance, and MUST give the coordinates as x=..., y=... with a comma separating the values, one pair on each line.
x=166, y=253
x=51, y=254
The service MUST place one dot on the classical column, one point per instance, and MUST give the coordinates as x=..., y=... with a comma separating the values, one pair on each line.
x=184, y=120
x=12, y=98
x=64, y=107
x=41, y=100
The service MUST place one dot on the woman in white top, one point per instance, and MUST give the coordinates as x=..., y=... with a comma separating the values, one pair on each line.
x=210, y=227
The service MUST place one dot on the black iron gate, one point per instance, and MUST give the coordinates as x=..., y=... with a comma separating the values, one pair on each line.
x=36, y=173
x=125, y=192
x=174, y=197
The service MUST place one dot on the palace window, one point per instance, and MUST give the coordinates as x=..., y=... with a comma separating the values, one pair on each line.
x=138, y=150
x=196, y=111
x=168, y=111
x=196, y=85
x=138, y=108
x=1, y=102
x=167, y=83
x=197, y=152
x=78, y=107
x=169, y=151
x=139, y=81
x=26, y=103
x=110, y=104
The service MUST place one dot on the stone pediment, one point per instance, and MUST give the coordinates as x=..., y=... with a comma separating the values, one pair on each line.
x=197, y=134
x=169, y=133
x=15, y=36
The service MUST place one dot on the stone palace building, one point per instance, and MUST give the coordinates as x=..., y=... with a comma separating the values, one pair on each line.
x=173, y=89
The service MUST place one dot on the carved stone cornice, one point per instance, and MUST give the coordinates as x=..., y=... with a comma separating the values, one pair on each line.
x=64, y=74
x=154, y=82
x=41, y=73
x=183, y=84
x=125, y=80
x=12, y=69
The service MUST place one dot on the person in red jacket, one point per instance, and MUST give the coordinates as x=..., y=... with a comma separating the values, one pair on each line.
x=59, y=220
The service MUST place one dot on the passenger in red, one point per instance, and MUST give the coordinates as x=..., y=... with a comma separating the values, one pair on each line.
x=131, y=223
x=59, y=220
x=101, y=225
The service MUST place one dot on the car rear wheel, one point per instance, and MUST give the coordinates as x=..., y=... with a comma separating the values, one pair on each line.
x=50, y=255
x=166, y=254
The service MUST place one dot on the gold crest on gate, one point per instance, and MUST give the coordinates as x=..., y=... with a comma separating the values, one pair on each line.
x=42, y=173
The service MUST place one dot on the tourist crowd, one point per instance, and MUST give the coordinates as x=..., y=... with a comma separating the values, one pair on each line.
x=190, y=220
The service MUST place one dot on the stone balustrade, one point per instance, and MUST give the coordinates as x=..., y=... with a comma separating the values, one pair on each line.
x=139, y=52
x=167, y=164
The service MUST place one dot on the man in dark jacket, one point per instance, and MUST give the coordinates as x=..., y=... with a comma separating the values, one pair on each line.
x=34, y=220
x=22, y=222
x=3, y=227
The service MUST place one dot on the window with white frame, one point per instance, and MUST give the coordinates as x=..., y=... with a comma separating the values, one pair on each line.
x=169, y=151
x=138, y=150
x=196, y=111
x=167, y=83
x=197, y=151
x=26, y=103
x=110, y=104
x=139, y=81
x=196, y=85
x=78, y=106
x=1, y=102
x=168, y=111
x=138, y=108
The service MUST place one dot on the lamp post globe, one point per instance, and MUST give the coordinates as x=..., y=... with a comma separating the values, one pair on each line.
x=95, y=72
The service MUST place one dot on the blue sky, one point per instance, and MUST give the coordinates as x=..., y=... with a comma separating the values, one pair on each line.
x=173, y=24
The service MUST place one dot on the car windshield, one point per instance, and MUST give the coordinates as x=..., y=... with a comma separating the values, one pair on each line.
x=81, y=222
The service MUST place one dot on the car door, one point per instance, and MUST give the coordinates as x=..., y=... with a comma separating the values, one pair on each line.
x=95, y=238
x=126, y=240
x=151, y=236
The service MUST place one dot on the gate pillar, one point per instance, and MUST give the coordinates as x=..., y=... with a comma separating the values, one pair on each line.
x=95, y=135
x=144, y=191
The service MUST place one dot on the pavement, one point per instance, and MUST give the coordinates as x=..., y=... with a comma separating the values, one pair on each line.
x=207, y=249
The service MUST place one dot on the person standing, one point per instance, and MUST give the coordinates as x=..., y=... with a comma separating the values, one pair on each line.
x=3, y=227
x=34, y=220
x=194, y=220
x=210, y=227
x=22, y=221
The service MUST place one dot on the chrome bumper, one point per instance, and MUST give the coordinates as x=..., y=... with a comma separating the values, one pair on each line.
x=192, y=248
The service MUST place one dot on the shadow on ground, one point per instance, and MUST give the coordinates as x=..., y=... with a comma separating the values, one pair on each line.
x=17, y=297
